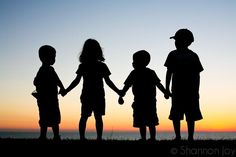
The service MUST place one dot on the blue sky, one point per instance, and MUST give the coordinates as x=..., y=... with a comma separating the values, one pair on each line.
x=122, y=27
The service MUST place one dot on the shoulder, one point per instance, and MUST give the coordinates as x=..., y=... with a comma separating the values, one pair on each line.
x=193, y=55
x=80, y=68
x=133, y=72
x=171, y=58
x=172, y=54
x=81, y=65
x=47, y=69
x=150, y=70
x=102, y=65
x=51, y=68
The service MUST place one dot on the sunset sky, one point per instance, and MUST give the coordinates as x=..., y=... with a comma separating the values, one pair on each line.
x=122, y=27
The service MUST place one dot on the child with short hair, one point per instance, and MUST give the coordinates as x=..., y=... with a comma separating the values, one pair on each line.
x=143, y=81
x=47, y=83
x=183, y=69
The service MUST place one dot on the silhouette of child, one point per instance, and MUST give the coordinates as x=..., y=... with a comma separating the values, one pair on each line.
x=144, y=82
x=47, y=82
x=183, y=68
x=93, y=70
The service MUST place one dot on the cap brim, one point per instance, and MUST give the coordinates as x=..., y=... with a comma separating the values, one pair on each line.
x=172, y=37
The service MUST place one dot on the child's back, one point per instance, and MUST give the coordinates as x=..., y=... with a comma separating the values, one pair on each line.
x=143, y=82
x=93, y=74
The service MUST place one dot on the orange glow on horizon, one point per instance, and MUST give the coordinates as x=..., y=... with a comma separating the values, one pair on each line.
x=120, y=120
x=119, y=128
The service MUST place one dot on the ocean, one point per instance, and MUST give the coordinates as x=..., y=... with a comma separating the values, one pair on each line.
x=110, y=135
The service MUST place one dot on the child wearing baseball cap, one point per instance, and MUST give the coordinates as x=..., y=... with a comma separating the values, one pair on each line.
x=183, y=70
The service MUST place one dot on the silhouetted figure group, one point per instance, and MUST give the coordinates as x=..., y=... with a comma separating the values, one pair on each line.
x=183, y=70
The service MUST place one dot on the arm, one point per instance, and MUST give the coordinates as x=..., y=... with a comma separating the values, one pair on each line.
x=162, y=88
x=122, y=94
x=111, y=85
x=73, y=84
x=164, y=91
x=60, y=84
x=168, y=78
x=124, y=90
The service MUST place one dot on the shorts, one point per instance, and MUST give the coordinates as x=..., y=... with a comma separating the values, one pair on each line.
x=144, y=114
x=189, y=108
x=49, y=113
x=97, y=106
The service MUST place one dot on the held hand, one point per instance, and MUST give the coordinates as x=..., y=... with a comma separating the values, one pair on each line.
x=121, y=100
x=62, y=92
x=121, y=93
x=167, y=94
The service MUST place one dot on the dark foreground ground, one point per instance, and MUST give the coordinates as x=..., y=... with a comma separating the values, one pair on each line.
x=117, y=148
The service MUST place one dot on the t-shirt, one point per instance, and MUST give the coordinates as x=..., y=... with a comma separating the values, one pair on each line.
x=93, y=74
x=46, y=82
x=143, y=82
x=186, y=67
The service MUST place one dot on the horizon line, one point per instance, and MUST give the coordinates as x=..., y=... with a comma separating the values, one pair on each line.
x=91, y=130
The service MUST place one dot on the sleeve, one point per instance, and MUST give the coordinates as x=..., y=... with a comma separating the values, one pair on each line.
x=79, y=70
x=57, y=79
x=169, y=61
x=156, y=78
x=35, y=82
x=37, y=78
x=129, y=80
x=106, y=71
x=199, y=67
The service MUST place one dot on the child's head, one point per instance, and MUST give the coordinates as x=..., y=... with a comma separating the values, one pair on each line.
x=47, y=54
x=141, y=59
x=183, y=38
x=91, y=52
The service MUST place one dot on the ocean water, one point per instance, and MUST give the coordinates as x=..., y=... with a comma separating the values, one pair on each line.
x=120, y=135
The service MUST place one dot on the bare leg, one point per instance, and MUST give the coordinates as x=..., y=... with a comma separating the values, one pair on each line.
x=99, y=127
x=176, y=124
x=55, y=130
x=82, y=127
x=191, y=125
x=152, y=130
x=142, y=131
x=43, y=133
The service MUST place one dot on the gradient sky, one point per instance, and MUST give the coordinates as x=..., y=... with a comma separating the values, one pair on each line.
x=122, y=28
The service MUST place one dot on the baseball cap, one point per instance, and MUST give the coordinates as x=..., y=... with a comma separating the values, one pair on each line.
x=183, y=34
